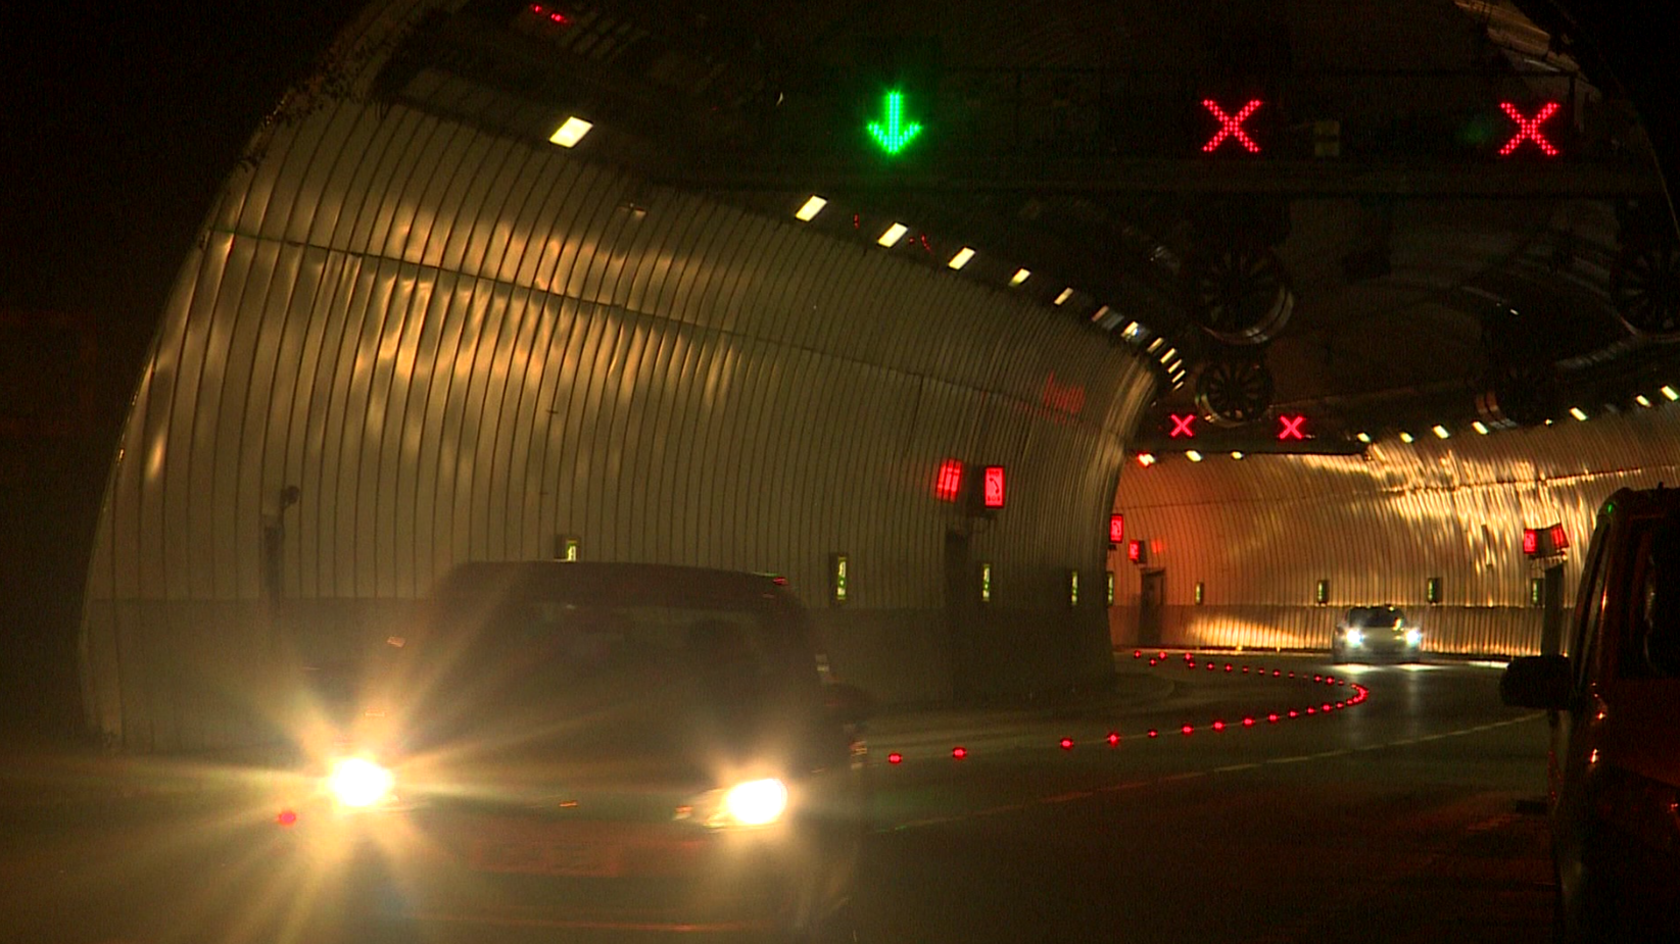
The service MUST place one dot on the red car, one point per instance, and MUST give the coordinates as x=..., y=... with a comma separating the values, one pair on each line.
x=1614, y=769
x=609, y=749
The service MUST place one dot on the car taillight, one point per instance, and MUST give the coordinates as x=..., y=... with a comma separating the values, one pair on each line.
x=1644, y=809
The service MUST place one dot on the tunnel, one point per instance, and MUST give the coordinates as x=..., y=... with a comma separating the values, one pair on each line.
x=496, y=281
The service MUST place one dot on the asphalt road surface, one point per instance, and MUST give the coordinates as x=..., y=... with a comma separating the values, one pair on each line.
x=1406, y=815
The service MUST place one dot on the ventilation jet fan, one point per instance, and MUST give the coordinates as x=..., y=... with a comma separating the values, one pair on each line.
x=1645, y=287
x=1238, y=292
x=1233, y=390
x=1518, y=395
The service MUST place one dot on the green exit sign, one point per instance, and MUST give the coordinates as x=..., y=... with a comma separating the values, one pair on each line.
x=894, y=131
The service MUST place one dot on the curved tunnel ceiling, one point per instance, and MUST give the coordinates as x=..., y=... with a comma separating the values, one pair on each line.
x=458, y=341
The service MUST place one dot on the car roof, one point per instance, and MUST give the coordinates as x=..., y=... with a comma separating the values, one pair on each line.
x=1643, y=501
x=611, y=583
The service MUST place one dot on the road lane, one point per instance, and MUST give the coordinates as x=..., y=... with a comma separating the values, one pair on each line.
x=1393, y=819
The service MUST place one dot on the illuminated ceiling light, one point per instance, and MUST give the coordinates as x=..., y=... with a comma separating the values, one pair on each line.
x=1642, y=399
x=1155, y=345
x=1168, y=356
x=1021, y=275
x=1670, y=392
x=893, y=234
x=961, y=258
x=1100, y=314
x=570, y=132
x=1405, y=437
x=1067, y=293
x=813, y=205
x=1440, y=431
x=1237, y=455
x=1479, y=427
x=1193, y=455
x=1363, y=437
x=1578, y=413
x=1146, y=459
x=1176, y=367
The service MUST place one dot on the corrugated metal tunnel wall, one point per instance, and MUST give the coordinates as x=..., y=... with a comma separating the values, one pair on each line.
x=457, y=346
x=1260, y=533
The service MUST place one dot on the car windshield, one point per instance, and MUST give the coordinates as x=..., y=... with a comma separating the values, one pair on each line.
x=1377, y=617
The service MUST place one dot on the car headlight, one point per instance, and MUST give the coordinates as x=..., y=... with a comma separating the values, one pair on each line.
x=750, y=803
x=1356, y=637
x=1414, y=637
x=359, y=782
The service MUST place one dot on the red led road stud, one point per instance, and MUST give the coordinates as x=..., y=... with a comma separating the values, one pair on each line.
x=1528, y=129
x=1113, y=739
x=1067, y=744
x=1230, y=126
x=895, y=758
x=959, y=752
x=1183, y=427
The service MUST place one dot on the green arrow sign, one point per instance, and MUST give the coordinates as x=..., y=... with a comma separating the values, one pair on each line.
x=894, y=134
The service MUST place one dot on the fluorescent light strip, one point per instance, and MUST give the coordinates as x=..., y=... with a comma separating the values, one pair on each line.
x=1480, y=427
x=1099, y=314
x=1578, y=413
x=1670, y=392
x=813, y=205
x=1067, y=293
x=961, y=258
x=1405, y=437
x=570, y=132
x=1193, y=455
x=893, y=234
x=1440, y=431
x=1155, y=345
x=1642, y=399
x=1021, y=275
x=1363, y=437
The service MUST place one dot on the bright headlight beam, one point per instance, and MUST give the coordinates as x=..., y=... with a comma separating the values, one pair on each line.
x=756, y=802
x=357, y=781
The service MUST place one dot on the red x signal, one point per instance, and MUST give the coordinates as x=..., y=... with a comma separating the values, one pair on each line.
x=1230, y=126
x=1290, y=427
x=1528, y=129
x=1183, y=427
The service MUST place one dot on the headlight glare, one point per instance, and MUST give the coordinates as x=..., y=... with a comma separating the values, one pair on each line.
x=1356, y=637
x=359, y=782
x=1414, y=637
x=751, y=803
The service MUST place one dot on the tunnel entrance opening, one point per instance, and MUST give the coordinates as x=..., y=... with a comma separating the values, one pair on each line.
x=1150, y=597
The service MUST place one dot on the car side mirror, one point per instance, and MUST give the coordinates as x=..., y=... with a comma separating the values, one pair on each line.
x=1537, y=682
x=847, y=704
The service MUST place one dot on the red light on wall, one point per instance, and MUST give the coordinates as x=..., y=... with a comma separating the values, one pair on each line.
x=1183, y=427
x=286, y=818
x=949, y=484
x=992, y=496
x=1292, y=427
x=1528, y=129
x=1116, y=529
x=1531, y=541
x=1134, y=551
x=1230, y=126
x=1560, y=538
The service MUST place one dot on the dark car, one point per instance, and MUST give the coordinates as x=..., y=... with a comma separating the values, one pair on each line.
x=1372, y=633
x=1614, y=767
x=579, y=748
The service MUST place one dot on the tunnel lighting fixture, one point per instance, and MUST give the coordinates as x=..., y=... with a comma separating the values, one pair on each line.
x=1480, y=427
x=1146, y=459
x=1237, y=455
x=1101, y=313
x=1363, y=437
x=1440, y=431
x=1405, y=437
x=1067, y=293
x=1021, y=275
x=571, y=131
x=961, y=258
x=893, y=234
x=1155, y=345
x=1176, y=367
x=813, y=205
x=1642, y=399
x=1168, y=355
x=1578, y=413
x=1193, y=455
x=1670, y=392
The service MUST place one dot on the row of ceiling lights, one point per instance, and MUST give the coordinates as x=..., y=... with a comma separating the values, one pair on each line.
x=573, y=129
x=1104, y=316
x=1668, y=391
